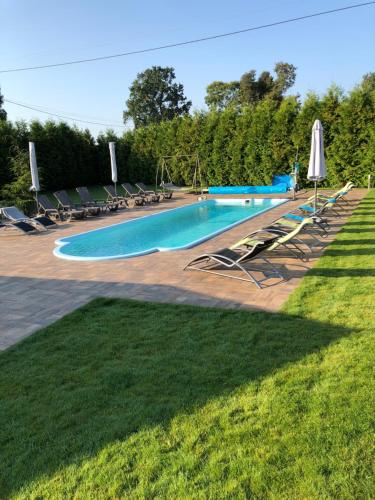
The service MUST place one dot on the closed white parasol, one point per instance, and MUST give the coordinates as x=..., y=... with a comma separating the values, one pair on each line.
x=112, y=153
x=35, y=186
x=317, y=164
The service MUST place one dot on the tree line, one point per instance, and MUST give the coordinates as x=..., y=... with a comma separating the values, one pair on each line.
x=236, y=145
x=155, y=96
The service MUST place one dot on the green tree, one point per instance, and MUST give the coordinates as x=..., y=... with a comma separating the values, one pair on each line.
x=220, y=95
x=258, y=159
x=285, y=78
x=369, y=159
x=13, y=137
x=3, y=113
x=253, y=90
x=187, y=137
x=368, y=80
x=226, y=129
x=330, y=105
x=155, y=97
x=281, y=147
x=66, y=156
x=143, y=157
x=249, y=90
x=18, y=192
x=349, y=155
x=237, y=147
x=208, y=126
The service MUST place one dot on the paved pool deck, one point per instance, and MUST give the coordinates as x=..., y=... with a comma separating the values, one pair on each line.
x=37, y=288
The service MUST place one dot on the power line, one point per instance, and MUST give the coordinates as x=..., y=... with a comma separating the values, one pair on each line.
x=63, y=117
x=188, y=42
x=57, y=111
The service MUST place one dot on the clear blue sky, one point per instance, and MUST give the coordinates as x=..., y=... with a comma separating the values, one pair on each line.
x=336, y=48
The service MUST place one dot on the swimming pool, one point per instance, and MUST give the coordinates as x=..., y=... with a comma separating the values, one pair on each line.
x=172, y=229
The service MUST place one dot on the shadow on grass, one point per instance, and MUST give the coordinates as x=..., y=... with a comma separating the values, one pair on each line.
x=356, y=230
x=116, y=367
x=362, y=241
x=340, y=252
x=364, y=224
x=341, y=272
x=366, y=212
x=367, y=203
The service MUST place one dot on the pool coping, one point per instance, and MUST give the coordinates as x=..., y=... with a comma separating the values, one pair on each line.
x=61, y=243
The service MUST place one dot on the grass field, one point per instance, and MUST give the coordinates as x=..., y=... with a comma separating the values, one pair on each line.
x=131, y=399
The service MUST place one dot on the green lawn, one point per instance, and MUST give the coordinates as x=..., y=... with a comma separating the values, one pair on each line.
x=131, y=399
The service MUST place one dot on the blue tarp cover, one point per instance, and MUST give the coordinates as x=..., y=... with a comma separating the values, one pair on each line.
x=279, y=188
x=280, y=184
x=283, y=179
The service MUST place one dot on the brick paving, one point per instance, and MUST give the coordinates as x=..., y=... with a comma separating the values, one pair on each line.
x=36, y=288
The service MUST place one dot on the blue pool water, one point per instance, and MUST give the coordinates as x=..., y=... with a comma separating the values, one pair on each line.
x=173, y=229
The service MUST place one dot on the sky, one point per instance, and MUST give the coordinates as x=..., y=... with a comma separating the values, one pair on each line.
x=336, y=48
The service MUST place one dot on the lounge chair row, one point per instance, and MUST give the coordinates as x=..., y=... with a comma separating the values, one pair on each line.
x=13, y=218
x=90, y=206
x=283, y=232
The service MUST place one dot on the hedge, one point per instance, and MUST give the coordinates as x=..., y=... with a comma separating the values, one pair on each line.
x=235, y=147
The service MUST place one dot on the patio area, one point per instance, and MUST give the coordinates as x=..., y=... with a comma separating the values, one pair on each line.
x=36, y=288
